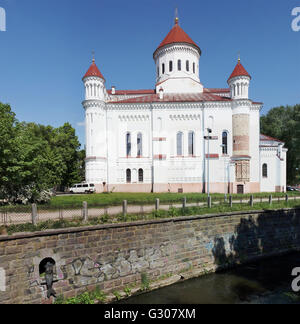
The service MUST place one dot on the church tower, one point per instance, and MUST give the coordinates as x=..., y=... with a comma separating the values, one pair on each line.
x=95, y=124
x=239, y=82
x=177, y=63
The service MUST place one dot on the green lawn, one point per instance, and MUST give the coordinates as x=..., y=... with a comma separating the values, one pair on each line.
x=116, y=199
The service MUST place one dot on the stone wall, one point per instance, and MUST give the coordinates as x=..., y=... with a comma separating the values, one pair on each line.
x=113, y=256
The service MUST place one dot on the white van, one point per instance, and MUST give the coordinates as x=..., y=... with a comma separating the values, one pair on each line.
x=83, y=188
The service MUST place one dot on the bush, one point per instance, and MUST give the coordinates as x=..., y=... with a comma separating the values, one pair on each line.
x=25, y=195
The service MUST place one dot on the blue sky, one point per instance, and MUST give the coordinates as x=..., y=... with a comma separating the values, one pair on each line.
x=48, y=44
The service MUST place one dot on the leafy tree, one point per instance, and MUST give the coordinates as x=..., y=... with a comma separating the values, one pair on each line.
x=7, y=143
x=284, y=123
x=67, y=146
x=35, y=158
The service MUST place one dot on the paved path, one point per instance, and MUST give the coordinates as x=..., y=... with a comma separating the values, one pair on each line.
x=19, y=218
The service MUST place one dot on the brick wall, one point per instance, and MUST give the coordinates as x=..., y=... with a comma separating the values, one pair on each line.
x=113, y=256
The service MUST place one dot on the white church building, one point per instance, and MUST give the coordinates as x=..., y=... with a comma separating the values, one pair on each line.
x=179, y=136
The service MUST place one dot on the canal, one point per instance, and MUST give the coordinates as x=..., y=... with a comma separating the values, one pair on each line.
x=263, y=282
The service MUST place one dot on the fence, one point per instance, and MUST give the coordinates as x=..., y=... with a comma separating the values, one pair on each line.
x=35, y=214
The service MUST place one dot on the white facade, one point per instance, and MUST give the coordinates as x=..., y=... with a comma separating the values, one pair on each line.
x=157, y=140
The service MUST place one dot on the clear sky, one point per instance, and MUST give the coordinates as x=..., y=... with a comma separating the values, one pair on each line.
x=48, y=44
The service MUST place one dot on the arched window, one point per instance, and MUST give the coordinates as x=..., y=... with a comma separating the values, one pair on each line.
x=191, y=143
x=128, y=176
x=139, y=144
x=163, y=68
x=128, y=144
x=265, y=170
x=141, y=175
x=179, y=65
x=225, y=143
x=170, y=66
x=179, y=144
x=194, y=68
x=158, y=71
x=188, y=66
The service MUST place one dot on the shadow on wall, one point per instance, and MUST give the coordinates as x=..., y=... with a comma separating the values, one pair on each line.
x=268, y=234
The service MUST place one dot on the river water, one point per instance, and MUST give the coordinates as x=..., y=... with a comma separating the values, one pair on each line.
x=264, y=282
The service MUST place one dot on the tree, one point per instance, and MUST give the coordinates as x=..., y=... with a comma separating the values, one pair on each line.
x=35, y=158
x=284, y=123
x=67, y=147
x=7, y=143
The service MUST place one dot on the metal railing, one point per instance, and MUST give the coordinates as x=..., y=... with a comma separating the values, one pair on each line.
x=36, y=214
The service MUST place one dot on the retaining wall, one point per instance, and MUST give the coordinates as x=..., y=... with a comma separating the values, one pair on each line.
x=114, y=256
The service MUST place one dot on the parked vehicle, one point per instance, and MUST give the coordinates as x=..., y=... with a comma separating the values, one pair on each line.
x=83, y=188
x=288, y=188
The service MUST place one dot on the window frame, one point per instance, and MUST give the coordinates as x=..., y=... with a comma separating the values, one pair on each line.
x=141, y=175
x=128, y=144
x=179, y=65
x=187, y=66
x=191, y=143
x=179, y=142
x=139, y=145
x=265, y=170
x=128, y=176
x=225, y=148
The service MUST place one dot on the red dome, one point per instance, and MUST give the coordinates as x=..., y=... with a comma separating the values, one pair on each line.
x=177, y=35
x=93, y=71
x=239, y=71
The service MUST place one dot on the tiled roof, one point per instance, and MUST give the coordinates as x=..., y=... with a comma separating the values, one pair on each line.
x=177, y=35
x=239, y=70
x=189, y=97
x=131, y=92
x=93, y=71
x=217, y=90
x=265, y=138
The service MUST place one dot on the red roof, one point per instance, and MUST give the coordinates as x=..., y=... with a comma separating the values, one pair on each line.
x=188, y=97
x=132, y=92
x=216, y=90
x=239, y=71
x=177, y=35
x=93, y=71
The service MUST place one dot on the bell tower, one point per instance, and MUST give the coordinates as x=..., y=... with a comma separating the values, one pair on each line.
x=95, y=124
x=239, y=82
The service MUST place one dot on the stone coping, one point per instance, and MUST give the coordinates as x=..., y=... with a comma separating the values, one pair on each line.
x=90, y=228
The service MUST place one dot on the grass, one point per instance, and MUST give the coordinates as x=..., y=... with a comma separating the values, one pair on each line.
x=172, y=212
x=116, y=199
x=87, y=298
x=145, y=282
